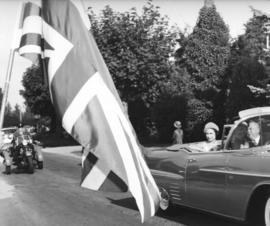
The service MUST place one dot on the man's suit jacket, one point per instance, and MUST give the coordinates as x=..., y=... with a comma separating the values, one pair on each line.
x=253, y=144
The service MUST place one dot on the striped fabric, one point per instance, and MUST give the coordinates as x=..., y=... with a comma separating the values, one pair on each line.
x=31, y=26
x=86, y=99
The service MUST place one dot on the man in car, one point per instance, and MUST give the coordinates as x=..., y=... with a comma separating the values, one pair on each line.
x=254, y=138
x=254, y=134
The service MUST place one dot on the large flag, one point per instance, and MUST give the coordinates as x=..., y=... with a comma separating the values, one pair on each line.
x=87, y=101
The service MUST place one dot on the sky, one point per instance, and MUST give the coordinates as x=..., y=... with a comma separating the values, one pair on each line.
x=183, y=13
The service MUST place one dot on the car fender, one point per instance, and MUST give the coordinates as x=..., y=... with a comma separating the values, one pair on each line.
x=259, y=187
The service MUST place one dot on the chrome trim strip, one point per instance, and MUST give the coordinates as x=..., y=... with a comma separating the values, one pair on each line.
x=174, y=195
x=167, y=174
x=174, y=187
x=236, y=173
x=213, y=171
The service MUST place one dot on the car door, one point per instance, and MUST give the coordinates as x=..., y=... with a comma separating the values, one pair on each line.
x=243, y=169
x=206, y=180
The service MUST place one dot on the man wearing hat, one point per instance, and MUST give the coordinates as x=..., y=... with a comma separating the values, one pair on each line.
x=177, y=133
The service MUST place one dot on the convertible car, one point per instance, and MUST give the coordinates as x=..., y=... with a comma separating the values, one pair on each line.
x=232, y=181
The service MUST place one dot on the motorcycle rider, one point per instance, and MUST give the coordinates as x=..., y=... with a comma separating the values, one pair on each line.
x=20, y=131
x=17, y=143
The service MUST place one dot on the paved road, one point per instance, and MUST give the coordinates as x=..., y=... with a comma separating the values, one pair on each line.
x=53, y=197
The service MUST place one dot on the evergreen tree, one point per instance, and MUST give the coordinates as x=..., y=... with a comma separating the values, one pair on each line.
x=247, y=67
x=204, y=54
x=247, y=71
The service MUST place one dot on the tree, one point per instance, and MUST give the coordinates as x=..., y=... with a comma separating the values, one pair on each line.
x=17, y=112
x=28, y=117
x=247, y=67
x=204, y=54
x=172, y=105
x=247, y=71
x=136, y=49
x=36, y=95
x=261, y=93
x=10, y=118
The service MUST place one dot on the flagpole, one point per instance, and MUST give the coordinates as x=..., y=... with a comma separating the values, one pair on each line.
x=12, y=51
x=6, y=87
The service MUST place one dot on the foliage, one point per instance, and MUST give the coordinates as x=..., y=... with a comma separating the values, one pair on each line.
x=28, y=118
x=172, y=104
x=136, y=49
x=247, y=67
x=36, y=95
x=16, y=115
x=11, y=117
x=252, y=43
x=205, y=54
x=247, y=71
x=209, y=80
x=261, y=92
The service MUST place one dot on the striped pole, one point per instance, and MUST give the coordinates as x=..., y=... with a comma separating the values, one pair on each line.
x=14, y=46
x=6, y=88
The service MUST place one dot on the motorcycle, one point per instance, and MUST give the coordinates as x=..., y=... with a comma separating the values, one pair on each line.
x=26, y=155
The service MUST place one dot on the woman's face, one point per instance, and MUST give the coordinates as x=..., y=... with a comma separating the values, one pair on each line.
x=210, y=135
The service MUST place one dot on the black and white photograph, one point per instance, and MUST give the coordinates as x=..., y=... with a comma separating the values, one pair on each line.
x=134, y=112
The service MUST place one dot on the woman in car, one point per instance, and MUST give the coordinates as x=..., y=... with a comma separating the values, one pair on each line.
x=211, y=144
x=211, y=131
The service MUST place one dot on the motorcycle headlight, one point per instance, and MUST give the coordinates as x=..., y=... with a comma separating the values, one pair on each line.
x=24, y=142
